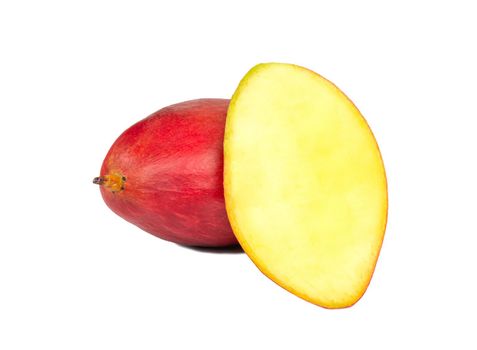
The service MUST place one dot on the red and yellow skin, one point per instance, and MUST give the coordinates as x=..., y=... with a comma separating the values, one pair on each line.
x=165, y=174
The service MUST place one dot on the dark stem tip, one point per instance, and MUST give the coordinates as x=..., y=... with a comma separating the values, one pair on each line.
x=98, y=180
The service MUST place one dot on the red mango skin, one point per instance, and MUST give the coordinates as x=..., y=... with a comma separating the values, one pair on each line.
x=172, y=163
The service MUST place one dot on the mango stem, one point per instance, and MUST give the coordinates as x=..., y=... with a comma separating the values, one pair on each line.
x=114, y=182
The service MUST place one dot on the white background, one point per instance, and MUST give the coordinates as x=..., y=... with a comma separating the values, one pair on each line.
x=74, y=75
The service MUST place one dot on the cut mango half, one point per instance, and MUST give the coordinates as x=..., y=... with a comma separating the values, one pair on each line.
x=305, y=185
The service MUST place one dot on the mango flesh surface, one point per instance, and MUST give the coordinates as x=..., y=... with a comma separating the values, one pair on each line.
x=305, y=185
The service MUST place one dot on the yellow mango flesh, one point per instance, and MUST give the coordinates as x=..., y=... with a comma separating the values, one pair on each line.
x=305, y=185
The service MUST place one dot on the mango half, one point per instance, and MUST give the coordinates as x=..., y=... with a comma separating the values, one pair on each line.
x=305, y=185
